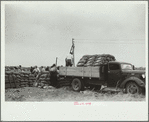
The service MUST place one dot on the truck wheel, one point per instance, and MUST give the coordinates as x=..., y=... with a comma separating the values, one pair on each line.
x=133, y=88
x=77, y=84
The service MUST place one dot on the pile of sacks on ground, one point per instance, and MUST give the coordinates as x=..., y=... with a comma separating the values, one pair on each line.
x=12, y=68
x=43, y=80
x=16, y=80
x=9, y=68
x=95, y=60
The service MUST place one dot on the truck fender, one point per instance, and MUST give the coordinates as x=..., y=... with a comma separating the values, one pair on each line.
x=135, y=79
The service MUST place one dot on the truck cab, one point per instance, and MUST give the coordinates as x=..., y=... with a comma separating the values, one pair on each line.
x=123, y=75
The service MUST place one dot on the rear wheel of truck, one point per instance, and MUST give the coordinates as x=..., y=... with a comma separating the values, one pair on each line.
x=133, y=88
x=77, y=84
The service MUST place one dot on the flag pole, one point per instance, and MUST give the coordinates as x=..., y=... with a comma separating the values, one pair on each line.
x=56, y=61
x=73, y=52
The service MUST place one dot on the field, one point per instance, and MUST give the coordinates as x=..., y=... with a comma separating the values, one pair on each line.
x=66, y=94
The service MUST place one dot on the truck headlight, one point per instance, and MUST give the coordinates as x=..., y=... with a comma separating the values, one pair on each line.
x=143, y=75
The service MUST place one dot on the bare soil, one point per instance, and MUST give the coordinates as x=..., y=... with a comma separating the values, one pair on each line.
x=66, y=94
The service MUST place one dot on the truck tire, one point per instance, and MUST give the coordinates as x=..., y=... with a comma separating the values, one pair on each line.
x=133, y=88
x=77, y=84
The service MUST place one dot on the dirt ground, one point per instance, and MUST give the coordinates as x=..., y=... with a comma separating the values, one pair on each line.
x=66, y=94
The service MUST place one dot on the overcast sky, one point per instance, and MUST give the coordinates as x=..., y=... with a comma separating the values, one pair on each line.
x=35, y=34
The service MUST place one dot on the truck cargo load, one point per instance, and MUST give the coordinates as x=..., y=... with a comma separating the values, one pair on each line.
x=95, y=60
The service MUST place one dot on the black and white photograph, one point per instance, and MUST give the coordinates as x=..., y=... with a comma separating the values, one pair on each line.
x=82, y=54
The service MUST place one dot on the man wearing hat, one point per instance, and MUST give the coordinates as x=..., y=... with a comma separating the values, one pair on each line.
x=69, y=60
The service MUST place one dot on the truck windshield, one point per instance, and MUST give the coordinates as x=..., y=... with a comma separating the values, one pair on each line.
x=127, y=66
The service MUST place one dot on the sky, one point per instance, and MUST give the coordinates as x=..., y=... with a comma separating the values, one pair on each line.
x=35, y=34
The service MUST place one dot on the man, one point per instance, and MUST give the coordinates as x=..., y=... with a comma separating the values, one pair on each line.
x=47, y=68
x=42, y=69
x=53, y=75
x=15, y=69
x=31, y=69
x=36, y=71
x=20, y=68
x=69, y=60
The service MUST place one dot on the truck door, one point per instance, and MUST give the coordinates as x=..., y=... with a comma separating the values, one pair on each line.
x=104, y=73
x=114, y=74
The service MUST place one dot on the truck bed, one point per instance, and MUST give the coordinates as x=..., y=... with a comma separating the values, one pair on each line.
x=91, y=72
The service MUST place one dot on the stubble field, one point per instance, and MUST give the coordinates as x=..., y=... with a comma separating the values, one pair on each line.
x=66, y=94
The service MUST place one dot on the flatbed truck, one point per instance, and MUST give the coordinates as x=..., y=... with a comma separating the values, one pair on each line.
x=114, y=75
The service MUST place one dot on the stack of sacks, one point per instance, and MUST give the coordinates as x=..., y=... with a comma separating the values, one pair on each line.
x=103, y=59
x=7, y=80
x=8, y=68
x=16, y=79
x=24, y=79
x=11, y=80
x=90, y=61
x=32, y=79
x=95, y=60
x=43, y=79
x=83, y=60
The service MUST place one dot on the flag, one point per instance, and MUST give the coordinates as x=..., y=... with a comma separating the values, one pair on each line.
x=72, y=49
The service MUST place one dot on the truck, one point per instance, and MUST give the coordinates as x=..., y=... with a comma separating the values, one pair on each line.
x=115, y=75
